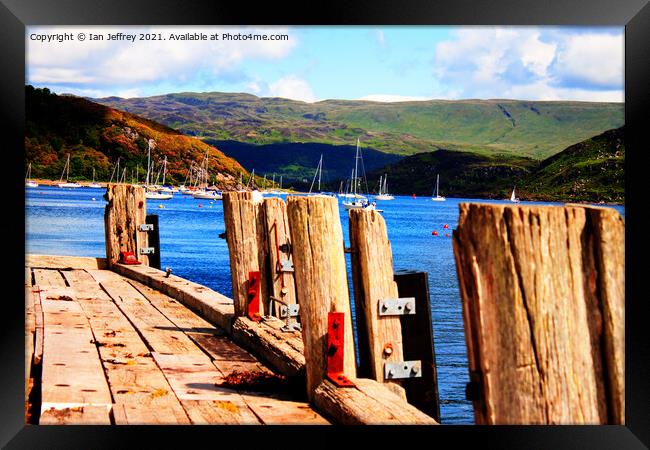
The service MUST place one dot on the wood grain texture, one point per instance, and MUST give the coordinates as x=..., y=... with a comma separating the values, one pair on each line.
x=321, y=281
x=372, y=269
x=282, y=284
x=274, y=411
x=159, y=333
x=283, y=351
x=125, y=211
x=226, y=355
x=140, y=391
x=195, y=381
x=533, y=301
x=369, y=403
x=212, y=306
x=49, y=279
x=63, y=262
x=82, y=414
x=245, y=234
x=72, y=370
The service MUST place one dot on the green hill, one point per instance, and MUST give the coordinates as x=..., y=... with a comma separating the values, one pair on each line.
x=297, y=162
x=96, y=135
x=534, y=129
x=590, y=171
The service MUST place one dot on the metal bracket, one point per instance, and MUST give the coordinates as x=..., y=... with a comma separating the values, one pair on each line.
x=254, y=296
x=403, y=369
x=397, y=306
x=292, y=310
x=147, y=250
x=146, y=227
x=335, y=349
x=286, y=266
x=291, y=326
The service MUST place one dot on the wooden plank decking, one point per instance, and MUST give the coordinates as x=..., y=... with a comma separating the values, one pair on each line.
x=115, y=351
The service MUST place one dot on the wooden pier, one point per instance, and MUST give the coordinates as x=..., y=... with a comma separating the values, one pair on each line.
x=107, y=349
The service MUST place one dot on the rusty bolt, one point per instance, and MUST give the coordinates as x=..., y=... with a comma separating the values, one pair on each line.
x=140, y=204
x=119, y=229
x=388, y=349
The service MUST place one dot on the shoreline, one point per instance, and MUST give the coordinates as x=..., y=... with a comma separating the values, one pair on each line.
x=45, y=182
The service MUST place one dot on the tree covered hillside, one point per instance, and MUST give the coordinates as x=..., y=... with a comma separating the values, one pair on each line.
x=96, y=135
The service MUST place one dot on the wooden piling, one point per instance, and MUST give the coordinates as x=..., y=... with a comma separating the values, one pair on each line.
x=542, y=290
x=281, y=283
x=245, y=233
x=322, y=287
x=321, y=281
x=372, y=274
x=125, y=211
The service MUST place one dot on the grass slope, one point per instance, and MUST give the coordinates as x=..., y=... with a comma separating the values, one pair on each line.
x=524, y=128
x=590, y=171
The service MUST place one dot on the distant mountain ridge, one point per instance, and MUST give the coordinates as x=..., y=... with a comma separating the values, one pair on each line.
x=96, y=135
x=536, y=129
x=589, y=171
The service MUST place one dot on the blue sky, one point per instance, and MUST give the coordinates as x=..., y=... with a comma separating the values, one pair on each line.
x=388, y=63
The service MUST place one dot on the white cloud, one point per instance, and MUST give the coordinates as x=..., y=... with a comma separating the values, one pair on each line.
x=379, y=35
x=592, y=59
x=125, y=63
x=531, y=63
x=293, y=88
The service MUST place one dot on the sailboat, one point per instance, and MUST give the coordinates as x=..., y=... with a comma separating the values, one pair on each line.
x=358, y=201
x=149, y=193
x=383, y=195
x=66, y=172
x=93, y=184
x=28, y=178
x=318, y=173
x=513, y=199
x=437, y=197
x=203, y=193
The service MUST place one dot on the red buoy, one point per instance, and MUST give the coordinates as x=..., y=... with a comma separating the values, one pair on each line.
x=445, y=226
x=447, y=234
x=200, y=205
x=413, y=196
x=434, y=233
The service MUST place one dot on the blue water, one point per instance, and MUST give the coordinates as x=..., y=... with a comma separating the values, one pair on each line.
x=71, y=222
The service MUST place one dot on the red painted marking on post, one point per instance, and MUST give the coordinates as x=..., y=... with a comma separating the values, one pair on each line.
x=128, y=258
x=335, y=349
x=254, y=296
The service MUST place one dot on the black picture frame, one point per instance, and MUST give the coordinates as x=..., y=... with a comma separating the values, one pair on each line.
x=633, y=14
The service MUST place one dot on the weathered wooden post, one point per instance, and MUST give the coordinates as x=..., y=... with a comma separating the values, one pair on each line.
x=542, y=290
x=375, y=296
x=125, y=211
x=282, y=288
x=321, y=281
x=245, y=233
x=322, y=288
